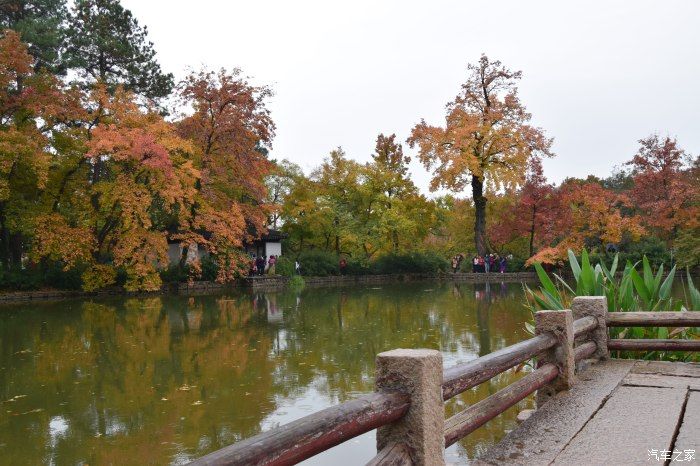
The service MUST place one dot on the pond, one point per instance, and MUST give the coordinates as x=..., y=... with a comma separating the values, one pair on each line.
x=164, y=380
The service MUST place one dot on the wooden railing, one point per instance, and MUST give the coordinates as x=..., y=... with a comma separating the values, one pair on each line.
x=653, y=319
x=313, y=434
x=407, y=408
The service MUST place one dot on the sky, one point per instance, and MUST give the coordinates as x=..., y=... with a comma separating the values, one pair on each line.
x=597, y=75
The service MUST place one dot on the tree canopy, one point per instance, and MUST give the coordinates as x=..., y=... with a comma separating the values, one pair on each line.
x=106, y=44
x=486, y=139
x=97, y=184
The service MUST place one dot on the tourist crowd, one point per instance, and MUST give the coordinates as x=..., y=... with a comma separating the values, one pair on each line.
x=492, y=263
x=260, y=265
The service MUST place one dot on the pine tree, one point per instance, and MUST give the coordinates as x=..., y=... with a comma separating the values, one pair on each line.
x=41, y=24
x=106, y=43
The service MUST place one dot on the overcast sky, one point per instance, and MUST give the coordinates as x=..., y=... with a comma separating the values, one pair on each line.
x=597, y=75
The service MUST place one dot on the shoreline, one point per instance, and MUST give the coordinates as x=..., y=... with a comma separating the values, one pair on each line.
x=270, y=283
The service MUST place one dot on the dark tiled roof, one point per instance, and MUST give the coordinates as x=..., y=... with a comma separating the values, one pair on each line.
x=273, y=235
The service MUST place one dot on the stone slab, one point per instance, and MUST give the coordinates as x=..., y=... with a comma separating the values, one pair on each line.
x=633, y=421
x=681, y=369
x=663, y=381
x=539, y=439
x=689, y=433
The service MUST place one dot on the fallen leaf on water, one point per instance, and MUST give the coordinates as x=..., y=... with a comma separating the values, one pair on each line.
x=185, y=388
x=197, y=403
x=37, y=410
x=164, y=399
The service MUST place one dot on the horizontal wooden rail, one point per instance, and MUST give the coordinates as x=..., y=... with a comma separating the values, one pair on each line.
x=478, y=414
x=584, y=325
x=653, y=345
x=654, y=319
x=313, y=434
x=584, y=350
x=462, y=377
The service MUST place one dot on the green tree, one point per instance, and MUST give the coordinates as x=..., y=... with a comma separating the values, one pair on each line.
x=280, y=183
x=41, y=24
x=396, y=215
x=339, y=179
x=106, y=43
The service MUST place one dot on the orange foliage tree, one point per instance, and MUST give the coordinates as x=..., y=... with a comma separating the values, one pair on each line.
x=531, y=213
x=122, y=218
x=589, y=216
x=486, y=139
x=663, y=189
x=231, y=130
x=34, y=109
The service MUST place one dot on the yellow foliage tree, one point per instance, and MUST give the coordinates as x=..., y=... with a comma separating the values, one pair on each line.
x=486, y=139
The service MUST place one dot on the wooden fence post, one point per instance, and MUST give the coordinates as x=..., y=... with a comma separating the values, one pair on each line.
x=419, y=374
x=595, y=306
x=561, y=325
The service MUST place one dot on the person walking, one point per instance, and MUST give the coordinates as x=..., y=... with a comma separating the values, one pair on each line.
x=487, y=263
x=260, y=264
x=271, y=264
x=343, y=265
x=455, y=263
x=504, y=263
x=297, y=267
x=475, y=264
x=482, y=265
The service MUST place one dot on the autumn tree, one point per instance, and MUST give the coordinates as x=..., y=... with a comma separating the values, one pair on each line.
x=663, y=189
x=41, y=25
x=106, y=44
x=306, y=216
x=531, y=214
x=33, y=111
x=117, y=222
x=338, y=179
x=231, y=128
x=447, y=235
x=589, y=216
x=394, y=210
x=486, y=139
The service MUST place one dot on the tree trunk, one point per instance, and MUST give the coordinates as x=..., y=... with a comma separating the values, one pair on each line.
x=16, y=250
x=532, y=232
x=184, y=252
x=4, y=242
x=480, y=213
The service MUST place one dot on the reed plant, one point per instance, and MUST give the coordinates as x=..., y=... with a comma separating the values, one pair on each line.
x=629, y=290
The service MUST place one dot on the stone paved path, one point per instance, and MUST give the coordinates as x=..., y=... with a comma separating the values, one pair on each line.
x=620, y=412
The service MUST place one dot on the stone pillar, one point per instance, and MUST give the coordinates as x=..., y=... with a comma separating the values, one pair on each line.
x=419, y=374
x=596, y=306
x=561, y=325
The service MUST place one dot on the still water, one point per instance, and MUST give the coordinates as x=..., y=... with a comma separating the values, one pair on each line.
x=163, y=380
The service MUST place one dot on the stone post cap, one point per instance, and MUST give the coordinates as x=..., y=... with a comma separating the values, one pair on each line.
x=591, y=299
x=409, y=353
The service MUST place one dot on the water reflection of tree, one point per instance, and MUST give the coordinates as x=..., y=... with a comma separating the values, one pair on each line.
x=128, y=375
